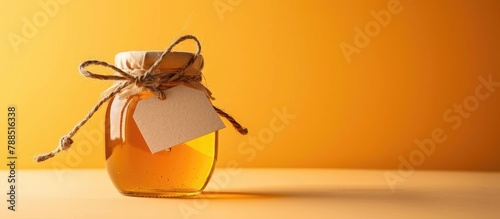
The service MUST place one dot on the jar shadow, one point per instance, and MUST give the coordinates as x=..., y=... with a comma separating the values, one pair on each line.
x=234, y=195
x=367, y=194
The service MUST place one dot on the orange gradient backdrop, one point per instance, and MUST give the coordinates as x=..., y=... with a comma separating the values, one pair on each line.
x=264, y=57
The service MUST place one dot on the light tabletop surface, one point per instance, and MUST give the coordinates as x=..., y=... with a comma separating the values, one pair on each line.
x=264, y=193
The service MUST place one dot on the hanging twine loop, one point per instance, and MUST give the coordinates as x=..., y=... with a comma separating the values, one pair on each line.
x=129, y=83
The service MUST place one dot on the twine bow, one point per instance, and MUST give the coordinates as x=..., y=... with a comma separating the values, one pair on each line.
x=136, y=80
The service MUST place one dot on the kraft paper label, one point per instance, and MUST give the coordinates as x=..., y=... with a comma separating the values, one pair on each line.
x=186, y=114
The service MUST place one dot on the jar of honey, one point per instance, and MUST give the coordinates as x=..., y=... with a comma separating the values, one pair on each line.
x=155, y=163
x=181, y=170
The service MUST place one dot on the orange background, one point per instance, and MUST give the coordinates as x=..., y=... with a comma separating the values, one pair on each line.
x=263, y=56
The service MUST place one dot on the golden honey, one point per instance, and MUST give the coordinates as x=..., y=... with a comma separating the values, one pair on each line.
x=181, y=170
x=178, y=171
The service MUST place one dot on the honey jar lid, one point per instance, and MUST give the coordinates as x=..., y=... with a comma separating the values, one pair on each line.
x=145, y=59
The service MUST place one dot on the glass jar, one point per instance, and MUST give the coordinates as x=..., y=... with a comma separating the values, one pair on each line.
x=181, y=170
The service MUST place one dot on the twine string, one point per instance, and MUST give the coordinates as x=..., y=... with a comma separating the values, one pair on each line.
x=153, y=83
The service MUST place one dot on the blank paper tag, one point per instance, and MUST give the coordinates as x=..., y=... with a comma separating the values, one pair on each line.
x=186, y=114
